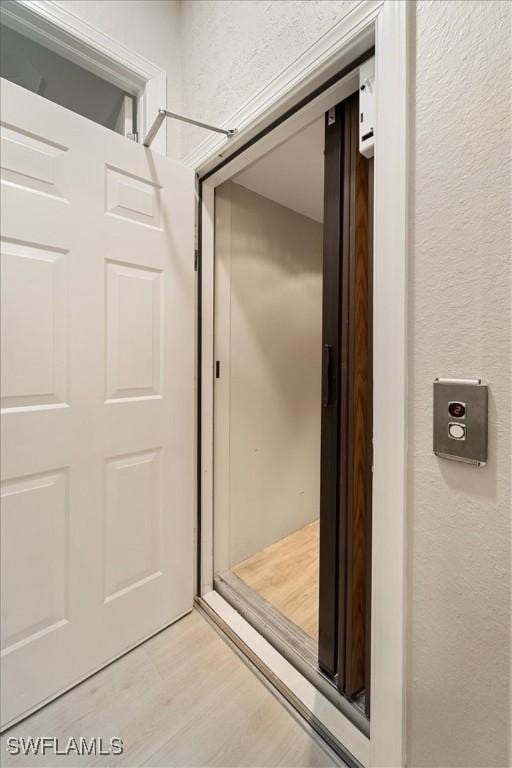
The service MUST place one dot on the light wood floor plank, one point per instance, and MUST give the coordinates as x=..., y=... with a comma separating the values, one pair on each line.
x=286, y=574
x=183, y=698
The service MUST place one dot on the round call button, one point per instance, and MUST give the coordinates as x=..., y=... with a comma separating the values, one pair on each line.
x=457, y=410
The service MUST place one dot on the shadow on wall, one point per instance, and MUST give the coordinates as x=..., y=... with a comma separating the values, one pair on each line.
x=275, y=371
x=276, y=295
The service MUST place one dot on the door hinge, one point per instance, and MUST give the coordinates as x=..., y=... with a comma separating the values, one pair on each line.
x=331, y=116
x=133, y=136
x=196, y=259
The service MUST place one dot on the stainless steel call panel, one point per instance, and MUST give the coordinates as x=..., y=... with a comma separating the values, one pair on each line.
x=460, y=420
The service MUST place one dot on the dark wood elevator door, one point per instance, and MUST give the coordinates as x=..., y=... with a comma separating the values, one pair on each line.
x=346, y=443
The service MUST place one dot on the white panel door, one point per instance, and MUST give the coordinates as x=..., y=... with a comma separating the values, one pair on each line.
x=97, y=396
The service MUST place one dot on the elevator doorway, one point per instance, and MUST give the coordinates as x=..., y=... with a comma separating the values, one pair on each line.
x=292, y=400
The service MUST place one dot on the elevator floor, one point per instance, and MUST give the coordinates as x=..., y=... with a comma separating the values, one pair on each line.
x=286, y=575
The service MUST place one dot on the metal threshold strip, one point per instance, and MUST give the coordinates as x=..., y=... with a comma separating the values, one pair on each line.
x=348, y=760
x=163, y=113
x=290, y=641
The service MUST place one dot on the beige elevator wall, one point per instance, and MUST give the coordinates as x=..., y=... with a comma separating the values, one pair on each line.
x=274, y=370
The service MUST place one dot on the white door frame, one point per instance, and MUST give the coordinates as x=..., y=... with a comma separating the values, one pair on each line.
x=65, y=33
x=387, y=22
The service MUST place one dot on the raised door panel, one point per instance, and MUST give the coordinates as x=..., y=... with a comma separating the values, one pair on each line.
x=32, y=162
x=133, y=507
x=134, y=331
x=35, y=557
x=132, y=198
x=35, y=330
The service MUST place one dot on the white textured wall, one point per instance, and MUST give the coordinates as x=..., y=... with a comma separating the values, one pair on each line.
x=275, y=344
x=459, y=325
x=150, y=27
x=458, y=711
x=231, y=48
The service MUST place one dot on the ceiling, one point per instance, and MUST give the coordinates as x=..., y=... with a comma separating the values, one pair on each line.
x=292, y=174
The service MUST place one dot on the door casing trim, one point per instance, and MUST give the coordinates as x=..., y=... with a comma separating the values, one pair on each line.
x=390, y=23
x=65, y=33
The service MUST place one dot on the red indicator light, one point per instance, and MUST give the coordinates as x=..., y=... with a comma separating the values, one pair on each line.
x=457, y=410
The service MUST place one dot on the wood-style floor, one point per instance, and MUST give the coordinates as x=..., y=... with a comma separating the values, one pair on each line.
x=183, y=698
x=286, y=575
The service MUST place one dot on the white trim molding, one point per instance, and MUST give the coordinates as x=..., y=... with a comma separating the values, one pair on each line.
x=390, y=257
x=348, y=38
x=387, y=25
x=65, y=33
